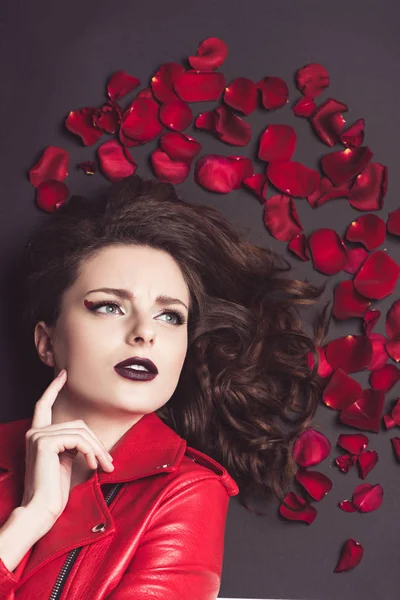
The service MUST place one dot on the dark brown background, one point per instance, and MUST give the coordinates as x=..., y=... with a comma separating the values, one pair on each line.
x=56, y=57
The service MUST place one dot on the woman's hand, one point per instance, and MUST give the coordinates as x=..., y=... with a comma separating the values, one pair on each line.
x=50, y=451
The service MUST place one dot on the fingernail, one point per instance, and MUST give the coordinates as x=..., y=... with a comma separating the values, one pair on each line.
x=61, y=373
x=110, y=457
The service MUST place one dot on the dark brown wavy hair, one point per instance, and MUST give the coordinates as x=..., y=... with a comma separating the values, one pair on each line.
x=246, y=390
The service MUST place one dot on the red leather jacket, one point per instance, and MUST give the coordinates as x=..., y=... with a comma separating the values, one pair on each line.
x=152, y=529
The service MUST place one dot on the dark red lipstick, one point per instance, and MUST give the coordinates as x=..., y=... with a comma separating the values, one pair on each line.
x=123, y=369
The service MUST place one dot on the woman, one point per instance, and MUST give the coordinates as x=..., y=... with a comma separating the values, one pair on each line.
x=218, y=367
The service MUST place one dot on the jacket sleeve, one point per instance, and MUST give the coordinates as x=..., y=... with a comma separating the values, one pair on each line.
x=181, y=553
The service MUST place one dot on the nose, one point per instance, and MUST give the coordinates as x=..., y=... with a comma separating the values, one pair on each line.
x=142, y=329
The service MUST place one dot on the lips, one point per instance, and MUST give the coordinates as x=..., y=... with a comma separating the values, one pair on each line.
x=137, y=360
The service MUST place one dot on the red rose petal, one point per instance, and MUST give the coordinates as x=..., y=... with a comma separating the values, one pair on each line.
x=116, y=163
x=395, y=414
x=242, y=95
x=392, y=323
x=369, y=188
x=393, y=222
x=370, y=319
x=351, y=353
x=348, y=302
x=50, y=195
x=305, y=107
x=120, y=84
x=281, y=218
x=366, y=412
x=211, y=53
x=341, y=390
x=393, y=348
x=216, y=173
x=328, y=251
x=297, y=503
x=347, y=506
x=298, y=245
x=315, y=483
x=367, y=497
x=379, y=353
x=350, y=557
x=277, y=142
x=163, y=80
x=293, y=178
x=179, y=146
x=257, y=183
x=328, y=121
x=366, y=462
x=108, y=117
x=80, y=122
x=342, y=166
x=310, y=448
x=324, y=368
x=167, y=169
x=140, y=121
x=353, y=137
x=88, y=166
x=369, y=230
x=274, y=92
x=176, y=114
x=345, y=462
x=355, y=258
x=396, y=446
x=377, y=277
x=312, y=79
x=230, y=128
x=327, y=191
x=243, y=168
x=355, y=443
x=53, y=164
x=384, y=378
x=389, y=422
x=196, y=86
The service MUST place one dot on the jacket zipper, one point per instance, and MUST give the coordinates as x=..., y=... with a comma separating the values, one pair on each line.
x=62, y=576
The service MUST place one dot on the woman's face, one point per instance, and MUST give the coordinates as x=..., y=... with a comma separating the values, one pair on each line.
x=88, y=344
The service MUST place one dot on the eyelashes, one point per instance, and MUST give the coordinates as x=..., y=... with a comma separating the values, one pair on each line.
x=93, y=306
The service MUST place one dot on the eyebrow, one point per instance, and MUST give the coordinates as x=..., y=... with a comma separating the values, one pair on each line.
x=163, y=299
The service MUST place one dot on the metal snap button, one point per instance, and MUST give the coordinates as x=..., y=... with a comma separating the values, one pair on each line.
x=163, y=466
x=99, y=527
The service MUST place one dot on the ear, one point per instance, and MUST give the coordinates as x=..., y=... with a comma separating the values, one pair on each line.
x=44, y=347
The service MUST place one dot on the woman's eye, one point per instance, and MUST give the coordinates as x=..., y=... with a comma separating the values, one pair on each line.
x=179, y=319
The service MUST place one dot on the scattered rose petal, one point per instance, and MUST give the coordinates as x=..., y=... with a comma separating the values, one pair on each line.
x=53, y=164
x=384, y=378
x=342, y=166
x=116, y=163
x=348, y=302
x=108, y=117
x=50, y=195
x=216, y=173
x=393, y=348
x=281, y=218
x=211, y=53
x=312, y=79
x=379, y=353
x=310, y=448
x=328, y=252
x=369, y=188
x=393, y=222
x=277, y=142
x=396, y=446
x=167, y=169
x=179, y=146
x=366, y=462
x=351, y=353
x=305, y=107
x=243, y=168
x=176, y=115
x=346, y=461
x=353, y=137
x=355, y=443
x=328, y=121
x=257, y=183
x=347, y=506
x=80, y=122
x=300, y=512
x=395, y=414
x=230, y=128
x=163, y=80
x=120, y=84
x=196, y=86
x=367, y=497
x=324, y=368
x=369, y=230
x=370, y=319
x=293, y=178
x=355, y=258
x=298, y=245
x=389, y=422
x=327, y=191
x=392, y=323
x=207, y=121
x=141, y=120
x=88, y=166
x=242, y=95
x=350, y=557
x=366, y=412
x=377, y=277
x=341, y=390
x=274, y=92
x=315, y=483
